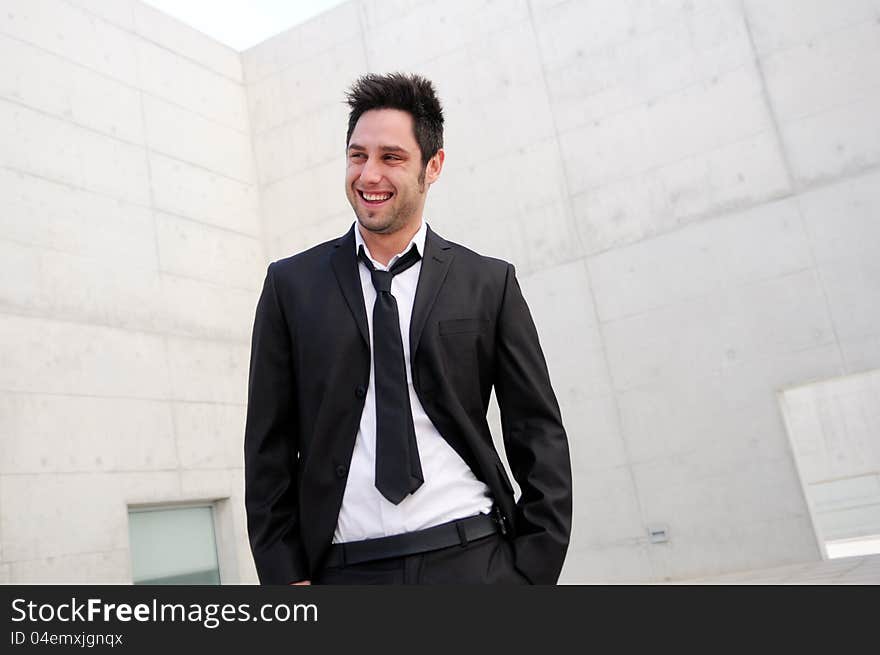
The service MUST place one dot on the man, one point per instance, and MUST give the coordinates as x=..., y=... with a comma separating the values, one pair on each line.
x=368, y=458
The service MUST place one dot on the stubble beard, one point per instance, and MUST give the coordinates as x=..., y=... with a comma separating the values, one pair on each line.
x=394, y=221
x=397, y=218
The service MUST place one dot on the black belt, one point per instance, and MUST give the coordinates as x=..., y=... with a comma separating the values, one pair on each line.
x=458, y=532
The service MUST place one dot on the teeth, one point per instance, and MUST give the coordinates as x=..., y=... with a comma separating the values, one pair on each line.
x=377, y=196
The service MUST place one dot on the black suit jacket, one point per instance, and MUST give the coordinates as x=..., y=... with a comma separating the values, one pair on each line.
x=309, y=371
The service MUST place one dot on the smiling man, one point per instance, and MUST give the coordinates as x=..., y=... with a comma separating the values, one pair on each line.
x=368, y=457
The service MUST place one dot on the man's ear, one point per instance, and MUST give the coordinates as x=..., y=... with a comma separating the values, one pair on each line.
x=435, y=165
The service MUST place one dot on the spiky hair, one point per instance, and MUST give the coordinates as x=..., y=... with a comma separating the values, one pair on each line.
x=408, y=92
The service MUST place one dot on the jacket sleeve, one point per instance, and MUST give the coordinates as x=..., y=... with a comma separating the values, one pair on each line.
x=270, y=447
x=534, y=440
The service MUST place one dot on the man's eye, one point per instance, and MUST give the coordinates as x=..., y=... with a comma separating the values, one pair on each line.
x=357, y=155
x=394, y=157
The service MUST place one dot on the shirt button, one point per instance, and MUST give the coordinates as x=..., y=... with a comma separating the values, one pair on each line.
x=341, y=471
x=360, y=392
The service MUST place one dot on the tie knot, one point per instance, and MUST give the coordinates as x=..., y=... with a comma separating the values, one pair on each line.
x=382, y=279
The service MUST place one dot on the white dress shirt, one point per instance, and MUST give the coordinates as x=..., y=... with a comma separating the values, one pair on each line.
x=450, y=490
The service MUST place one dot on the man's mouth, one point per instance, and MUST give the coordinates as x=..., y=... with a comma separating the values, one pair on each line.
x=375, y=198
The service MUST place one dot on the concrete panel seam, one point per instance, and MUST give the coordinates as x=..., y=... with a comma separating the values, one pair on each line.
x=257, y=184
x=70, y=121
x=160, y=270
x=170, y=391
x=138, y=35
x=688, y=221
x=363, y=34
x=115, y=472
x=122, y=328
x=713, y=293
x=840, y=28
x=829, y=314
x=833, y=107
x=672, y=162
x=152, y=194
x=150, y=399
x=656, y=98
x=68, y=554
x=561, y=160
x=445, y=53
x=134, y=144
x=115, y=80
x=131, y=203
x=299, y=171
x=611, y=45
x=592, y=296
x=224, y=286
x=198, y=221
x=768, y=103
x=192, y=111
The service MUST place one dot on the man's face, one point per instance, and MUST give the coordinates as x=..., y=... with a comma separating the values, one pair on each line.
x=384, y=180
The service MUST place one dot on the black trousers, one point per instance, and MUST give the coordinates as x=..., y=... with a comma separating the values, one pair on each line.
x=483, y=561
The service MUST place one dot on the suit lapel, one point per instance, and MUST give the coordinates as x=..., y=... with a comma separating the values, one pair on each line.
x=435, y=266
x=345, y=265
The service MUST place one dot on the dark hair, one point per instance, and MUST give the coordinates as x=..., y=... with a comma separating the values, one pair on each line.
x=410, y=93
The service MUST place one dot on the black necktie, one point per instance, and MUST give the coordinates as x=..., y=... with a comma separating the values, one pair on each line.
x=398, y=469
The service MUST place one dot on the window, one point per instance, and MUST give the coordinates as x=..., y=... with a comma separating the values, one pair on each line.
x=173, y=545
x=833, y=427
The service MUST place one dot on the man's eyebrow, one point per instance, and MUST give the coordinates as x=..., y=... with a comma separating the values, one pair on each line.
x=357, y=146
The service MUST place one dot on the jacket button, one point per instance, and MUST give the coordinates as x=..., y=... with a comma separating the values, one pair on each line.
x=360, y=392
x=341, y=471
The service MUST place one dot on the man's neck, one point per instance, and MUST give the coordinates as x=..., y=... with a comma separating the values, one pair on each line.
x=384, y=246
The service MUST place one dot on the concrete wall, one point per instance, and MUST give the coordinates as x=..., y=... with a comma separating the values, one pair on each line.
x=130, y=263
x=690, y=194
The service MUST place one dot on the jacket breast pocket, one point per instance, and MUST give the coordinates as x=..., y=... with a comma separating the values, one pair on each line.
x=463, y=326
x=464, y=347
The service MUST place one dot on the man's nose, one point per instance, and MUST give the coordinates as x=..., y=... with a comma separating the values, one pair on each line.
x=371, y=173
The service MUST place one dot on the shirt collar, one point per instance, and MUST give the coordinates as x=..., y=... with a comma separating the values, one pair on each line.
x=418, y=239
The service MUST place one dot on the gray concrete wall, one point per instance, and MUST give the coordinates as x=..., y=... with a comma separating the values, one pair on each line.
x=689, y=191
x=130, y=262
